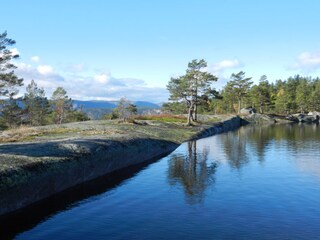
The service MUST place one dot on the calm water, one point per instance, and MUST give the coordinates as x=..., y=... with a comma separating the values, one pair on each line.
x=254, y=183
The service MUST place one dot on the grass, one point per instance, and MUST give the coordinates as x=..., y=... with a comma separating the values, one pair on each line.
x=25, y=133
x=163, y=118
x=158, y=126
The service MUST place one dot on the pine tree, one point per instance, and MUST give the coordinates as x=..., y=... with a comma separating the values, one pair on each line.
x=240, y=86
x=62, y=105
x=191, y=86
x=36, y=105
x=11, y=114
x=8, y=79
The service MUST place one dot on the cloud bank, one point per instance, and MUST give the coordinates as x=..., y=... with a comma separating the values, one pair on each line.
x=93, y=86
x=223, y=71
x=308, y=61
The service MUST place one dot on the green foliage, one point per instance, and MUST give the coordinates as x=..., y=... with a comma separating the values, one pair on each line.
x=303, y=92
x=61, y=104
x=36, y=105
x=260, y=95
x=124, y=110
x=296, y=94
x=77, y=115
x=315, y=95
x=8, y=79
x=174, y=108
x=239, y=86
x=11, y=114
x=191, y=87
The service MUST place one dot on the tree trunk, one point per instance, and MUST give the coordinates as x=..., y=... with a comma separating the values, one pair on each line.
x=189, y=115
x=261, y=111
x=239, y=105
x=195, y=112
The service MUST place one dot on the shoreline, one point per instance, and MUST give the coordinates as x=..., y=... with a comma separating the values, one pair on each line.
x=49, y=166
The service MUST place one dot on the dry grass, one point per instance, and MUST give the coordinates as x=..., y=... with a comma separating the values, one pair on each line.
x=24, y=133
x=163, y=118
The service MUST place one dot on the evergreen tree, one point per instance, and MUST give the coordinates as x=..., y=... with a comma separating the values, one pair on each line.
x=62, y=105
x=36, y=105
x=240, y=86
x=11, y=114
x=132, y=109
x=191, y=86
x=281, y=102
x=8, y=79
x=315, y=96
x=303, y=95
x=260, y=94
x=124, y=109
x=291, y=90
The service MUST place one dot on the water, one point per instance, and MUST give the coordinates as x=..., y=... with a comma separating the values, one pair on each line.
x=253, y=183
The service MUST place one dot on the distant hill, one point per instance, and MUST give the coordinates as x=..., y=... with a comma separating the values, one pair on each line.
x=146, y=104
x=94, y=104
x=111, y=104
x=96, y=109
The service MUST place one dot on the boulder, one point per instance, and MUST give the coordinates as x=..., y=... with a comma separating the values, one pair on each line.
x=314, y=113
x=314, y=118
x=247, y=111
x=259, y=119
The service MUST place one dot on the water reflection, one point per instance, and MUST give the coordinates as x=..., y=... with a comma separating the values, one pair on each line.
x=234, y=146
x=30, y=216
x=194, y=168
x=193, y=171
x=240, y=146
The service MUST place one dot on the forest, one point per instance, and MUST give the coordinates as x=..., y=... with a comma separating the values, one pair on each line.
x=193, y=93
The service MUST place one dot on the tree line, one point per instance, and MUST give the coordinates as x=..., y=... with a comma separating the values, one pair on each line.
x=34, y=108
x=293, y=95
x=193, y=92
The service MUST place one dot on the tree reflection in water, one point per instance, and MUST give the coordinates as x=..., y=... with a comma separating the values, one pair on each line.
x=235, y=149
x=193, y=171
x=255, y=140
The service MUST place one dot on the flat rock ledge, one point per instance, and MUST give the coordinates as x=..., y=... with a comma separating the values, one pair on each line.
x=47, y=168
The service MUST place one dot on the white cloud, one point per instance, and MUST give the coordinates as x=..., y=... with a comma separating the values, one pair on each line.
x=308, y=61
x=45, y=69
x=223, y=70
x=14, y=51
x=225, y=64
x=35, y=59
x=102, y=78
x=90, y=86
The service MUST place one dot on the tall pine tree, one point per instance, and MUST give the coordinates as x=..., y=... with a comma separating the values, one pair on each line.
x=8, y=79
x=36, y=105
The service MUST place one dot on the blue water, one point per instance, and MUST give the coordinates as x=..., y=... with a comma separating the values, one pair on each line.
x=253, y=183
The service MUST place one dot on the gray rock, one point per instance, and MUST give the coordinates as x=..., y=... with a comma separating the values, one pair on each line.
x=259, y=119
x=314, y=118
x=247, y=111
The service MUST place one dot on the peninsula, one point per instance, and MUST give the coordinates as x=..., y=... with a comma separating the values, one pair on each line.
x=38, y=162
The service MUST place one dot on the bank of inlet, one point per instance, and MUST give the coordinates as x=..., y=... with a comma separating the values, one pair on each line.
x=40, y=162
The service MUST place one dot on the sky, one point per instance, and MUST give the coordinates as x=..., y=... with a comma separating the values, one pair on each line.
x=105, y=50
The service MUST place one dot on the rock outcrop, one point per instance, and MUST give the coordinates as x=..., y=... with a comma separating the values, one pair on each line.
x=258, y=118
x=32, y=171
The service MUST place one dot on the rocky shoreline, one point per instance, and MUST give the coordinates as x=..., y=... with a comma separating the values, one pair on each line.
x=34, y=170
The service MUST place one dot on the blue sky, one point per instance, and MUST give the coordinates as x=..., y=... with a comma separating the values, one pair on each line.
x=109, y=49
